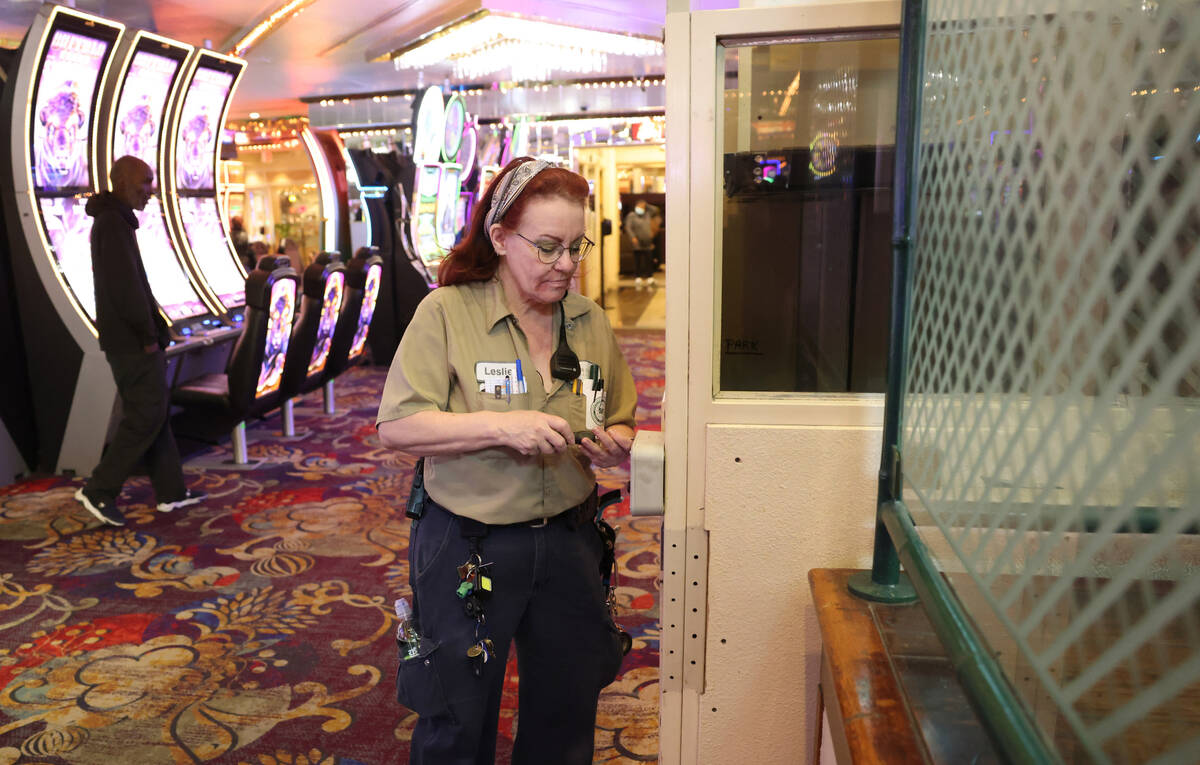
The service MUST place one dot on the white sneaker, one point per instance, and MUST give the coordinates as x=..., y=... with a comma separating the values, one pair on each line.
x=650, y=281
x=637, y=282
x=189, y=498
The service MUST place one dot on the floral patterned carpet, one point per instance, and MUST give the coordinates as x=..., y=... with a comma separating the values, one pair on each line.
x=258, y=628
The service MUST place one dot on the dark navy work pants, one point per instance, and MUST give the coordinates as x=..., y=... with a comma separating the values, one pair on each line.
x=548, y=598
x=144, y=432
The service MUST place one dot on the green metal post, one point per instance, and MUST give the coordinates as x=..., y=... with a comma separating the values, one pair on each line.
x=884, y=583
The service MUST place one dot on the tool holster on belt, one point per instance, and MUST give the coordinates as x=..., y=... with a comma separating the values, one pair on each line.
x=415, y=507
x=608, y=560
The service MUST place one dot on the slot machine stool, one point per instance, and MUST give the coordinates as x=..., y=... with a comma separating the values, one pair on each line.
x=324, y=291
x=364, y=274
x=250, y=385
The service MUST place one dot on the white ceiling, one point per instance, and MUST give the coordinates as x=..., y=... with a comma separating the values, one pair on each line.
x=323, y=50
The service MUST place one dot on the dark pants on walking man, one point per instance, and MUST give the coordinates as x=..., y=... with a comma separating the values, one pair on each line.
x=643, y=263
x=143, y=432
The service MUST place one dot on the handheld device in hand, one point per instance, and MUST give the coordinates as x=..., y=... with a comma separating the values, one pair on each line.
x=582, y=434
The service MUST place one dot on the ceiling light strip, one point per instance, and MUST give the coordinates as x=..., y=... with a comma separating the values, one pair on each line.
x=263, y=28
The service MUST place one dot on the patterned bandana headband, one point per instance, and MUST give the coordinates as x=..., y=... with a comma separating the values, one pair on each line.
x=510, y=188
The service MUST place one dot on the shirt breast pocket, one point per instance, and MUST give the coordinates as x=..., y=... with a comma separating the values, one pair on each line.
x=507, y=402
x=571, y=407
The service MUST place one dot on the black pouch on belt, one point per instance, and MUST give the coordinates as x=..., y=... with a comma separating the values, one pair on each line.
x=417, y=496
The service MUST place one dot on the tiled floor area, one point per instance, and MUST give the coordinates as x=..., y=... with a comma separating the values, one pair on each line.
x=638, y=307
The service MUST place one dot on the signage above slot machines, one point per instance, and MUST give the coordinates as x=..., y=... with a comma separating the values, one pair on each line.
x=149, y=79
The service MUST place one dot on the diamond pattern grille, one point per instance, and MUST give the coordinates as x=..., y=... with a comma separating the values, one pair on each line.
x=1051, y=433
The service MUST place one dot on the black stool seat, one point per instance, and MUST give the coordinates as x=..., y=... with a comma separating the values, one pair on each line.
x=212, y=389
x=250, y=385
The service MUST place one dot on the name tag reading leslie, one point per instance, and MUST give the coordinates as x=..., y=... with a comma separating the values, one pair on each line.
x=499, y=378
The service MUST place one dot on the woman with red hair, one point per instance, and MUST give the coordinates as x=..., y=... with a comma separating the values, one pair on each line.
x=511, y=389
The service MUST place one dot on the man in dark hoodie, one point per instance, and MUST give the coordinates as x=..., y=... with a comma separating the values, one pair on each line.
x=133, y=335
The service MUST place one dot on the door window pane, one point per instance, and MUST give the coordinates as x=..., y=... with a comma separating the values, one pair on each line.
x=808, y=137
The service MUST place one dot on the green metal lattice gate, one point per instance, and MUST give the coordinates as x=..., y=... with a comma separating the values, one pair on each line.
x=1049, y=423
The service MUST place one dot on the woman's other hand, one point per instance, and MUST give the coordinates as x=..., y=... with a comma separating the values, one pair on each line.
x=610, y=448
x=530, y=432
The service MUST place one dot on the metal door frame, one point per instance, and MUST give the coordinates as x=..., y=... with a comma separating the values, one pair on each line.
x=690, y=406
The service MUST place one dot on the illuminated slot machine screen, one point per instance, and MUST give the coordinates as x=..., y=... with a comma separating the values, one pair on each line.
x=137, y=130
x=367, y=311
x=68, y=228
x=210, y=246
x=468, y=152
x=454, y=123
x=174, y=292
x=487, y=173
x=424, y=220
x=199, y=128
x=490, y=146
x=331, y=306
x=194, y=146
x=447, y=206
x=466, y=203
x=279, y=332
x=61, y=123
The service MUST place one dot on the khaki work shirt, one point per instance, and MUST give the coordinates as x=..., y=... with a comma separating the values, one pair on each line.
x=461, y=332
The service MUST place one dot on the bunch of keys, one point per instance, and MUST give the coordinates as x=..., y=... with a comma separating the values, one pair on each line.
x=473, y=579
x=482, y=649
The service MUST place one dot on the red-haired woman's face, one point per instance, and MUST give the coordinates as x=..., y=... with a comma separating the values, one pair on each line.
x=544, y=220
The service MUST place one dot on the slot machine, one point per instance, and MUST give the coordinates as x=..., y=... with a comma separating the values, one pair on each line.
x=189, y=174
x=50, y=168
x=492, y=146
x=402, y=284
x=148, y=75
x=470, y=176
x=428, y=135
x=450, y=184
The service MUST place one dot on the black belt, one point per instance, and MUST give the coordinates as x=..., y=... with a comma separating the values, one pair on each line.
x=575, y=516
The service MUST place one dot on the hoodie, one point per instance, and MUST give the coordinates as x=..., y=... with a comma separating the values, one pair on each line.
x=127, y=316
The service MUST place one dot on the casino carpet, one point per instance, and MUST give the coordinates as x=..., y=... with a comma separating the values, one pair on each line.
x=258, y=628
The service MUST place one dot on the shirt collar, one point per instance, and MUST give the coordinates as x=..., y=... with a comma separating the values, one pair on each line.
x=574, y=305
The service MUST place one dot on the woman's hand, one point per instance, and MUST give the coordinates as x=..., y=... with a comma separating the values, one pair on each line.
x=610, y=448
x=530, y=432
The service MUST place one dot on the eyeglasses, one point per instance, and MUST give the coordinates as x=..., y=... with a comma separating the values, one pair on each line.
x=549, y=252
